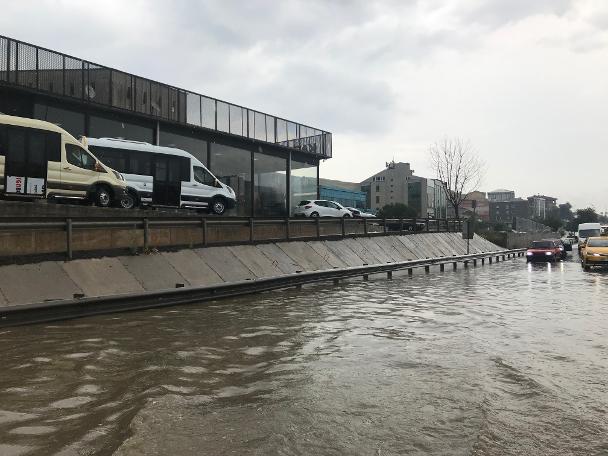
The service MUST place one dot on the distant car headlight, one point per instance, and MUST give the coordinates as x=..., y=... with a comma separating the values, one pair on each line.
x=548, y=253
x=529, y=253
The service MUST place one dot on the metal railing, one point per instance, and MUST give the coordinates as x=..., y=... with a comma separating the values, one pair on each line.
x=83, y=307
x=54, y=73
x=207, y=231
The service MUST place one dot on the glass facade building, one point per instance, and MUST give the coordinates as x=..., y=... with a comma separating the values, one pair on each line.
x=272, y=163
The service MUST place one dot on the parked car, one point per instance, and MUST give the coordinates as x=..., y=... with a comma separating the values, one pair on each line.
x=360, y=213
x=41, y=160
x=545, y=250
x=321, y=208
x=594, y=252
x=587, y=230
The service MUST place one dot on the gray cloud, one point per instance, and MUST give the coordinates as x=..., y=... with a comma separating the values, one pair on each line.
x=393, y=75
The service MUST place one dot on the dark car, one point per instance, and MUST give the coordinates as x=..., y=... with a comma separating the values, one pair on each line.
x=545, y=250
x=563, y=247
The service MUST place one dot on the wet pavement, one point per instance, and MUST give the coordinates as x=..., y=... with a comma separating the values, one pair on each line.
x=504, y=359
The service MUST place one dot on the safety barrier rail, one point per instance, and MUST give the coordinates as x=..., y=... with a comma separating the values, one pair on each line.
x=68, y=236
x=76, y=308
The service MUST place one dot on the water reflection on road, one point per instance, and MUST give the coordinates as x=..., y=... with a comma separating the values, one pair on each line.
x=502, y=359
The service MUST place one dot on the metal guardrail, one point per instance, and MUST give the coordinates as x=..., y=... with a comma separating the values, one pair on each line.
x=77, y=308
x=56, y=74
x=339, y=227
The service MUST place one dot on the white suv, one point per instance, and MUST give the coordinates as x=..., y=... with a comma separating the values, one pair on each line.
x=321, y=208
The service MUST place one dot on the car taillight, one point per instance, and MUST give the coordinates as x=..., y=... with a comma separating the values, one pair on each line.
x=307, y=207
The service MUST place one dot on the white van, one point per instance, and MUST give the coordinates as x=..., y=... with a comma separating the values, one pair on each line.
x=163, y=176
x=586, y=230
x=39, y=159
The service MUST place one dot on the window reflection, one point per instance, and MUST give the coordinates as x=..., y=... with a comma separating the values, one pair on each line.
x=222, y=117
x=101, y=127
x=232, y=166
x=270, y=182
x=195, y=146
x=303, y=182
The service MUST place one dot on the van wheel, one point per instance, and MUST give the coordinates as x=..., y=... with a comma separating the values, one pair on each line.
x=103, y=197
x=128, y=201
x=218, y=206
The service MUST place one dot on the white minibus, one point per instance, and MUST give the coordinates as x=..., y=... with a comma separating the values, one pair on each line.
x=38, y=159
x=586, y=230
x=163, y=176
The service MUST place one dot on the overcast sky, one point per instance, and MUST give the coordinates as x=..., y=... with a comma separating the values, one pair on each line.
x=524, y=80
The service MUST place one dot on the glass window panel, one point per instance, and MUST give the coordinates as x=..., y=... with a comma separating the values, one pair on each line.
x=121, y=90
x=73, y=77
x=270, y=185
x=71, y=121
x=193, y=109
x=281, y=130
x=98, y=87
x=291, y=131
x=302, y=182
x=50, y=71
x=251, y=124
x=208, y=112
x=188, y=142
x=232, y=166
x=236, y=120
x=222, y=116
x=142, y=95
x=260, y=126
x=270, y=129
x=101, y=127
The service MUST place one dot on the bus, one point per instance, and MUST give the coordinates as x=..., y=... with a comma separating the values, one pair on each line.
x=163, y=176
x=41, y=160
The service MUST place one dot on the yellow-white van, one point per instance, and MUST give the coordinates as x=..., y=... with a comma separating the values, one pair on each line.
x=39, y=159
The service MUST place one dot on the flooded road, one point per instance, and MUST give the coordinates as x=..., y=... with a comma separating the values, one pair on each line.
x=506, y=359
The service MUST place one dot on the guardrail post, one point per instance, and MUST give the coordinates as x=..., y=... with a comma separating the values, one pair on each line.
x=401, y=226
x=427, y=269
x=447, y=225
x=318, y=220
x=410, y=271
x=454, y=265
x=146, y=235
x=204, y=226
x=442, y=267
x=365, y=226
x=415, y=225
x=68, y=229
x=385, y=228
x=287, y=229
x=251, y=222
x=343, y=227
x=427, y=224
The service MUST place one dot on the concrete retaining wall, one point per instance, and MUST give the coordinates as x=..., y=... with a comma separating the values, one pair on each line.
x=56, y=280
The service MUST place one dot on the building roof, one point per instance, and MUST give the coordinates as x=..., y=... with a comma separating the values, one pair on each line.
x=502, y=190
x=80, y=80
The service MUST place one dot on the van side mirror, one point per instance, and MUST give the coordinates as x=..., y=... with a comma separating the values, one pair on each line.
x=98, y=167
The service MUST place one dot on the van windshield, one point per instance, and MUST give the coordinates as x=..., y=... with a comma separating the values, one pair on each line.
x=589, y=233
x=202, y=176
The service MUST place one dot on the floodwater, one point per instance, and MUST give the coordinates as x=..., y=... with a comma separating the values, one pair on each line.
x=503, y=359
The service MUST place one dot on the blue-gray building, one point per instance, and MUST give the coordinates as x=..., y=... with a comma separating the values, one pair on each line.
x=347, y=198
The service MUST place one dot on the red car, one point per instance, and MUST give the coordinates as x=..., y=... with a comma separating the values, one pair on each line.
x=545, y=250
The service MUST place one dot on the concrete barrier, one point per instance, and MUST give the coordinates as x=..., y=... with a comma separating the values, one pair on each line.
x=61, y=280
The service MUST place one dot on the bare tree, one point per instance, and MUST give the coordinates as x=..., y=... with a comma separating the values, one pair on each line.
x=458, y=166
